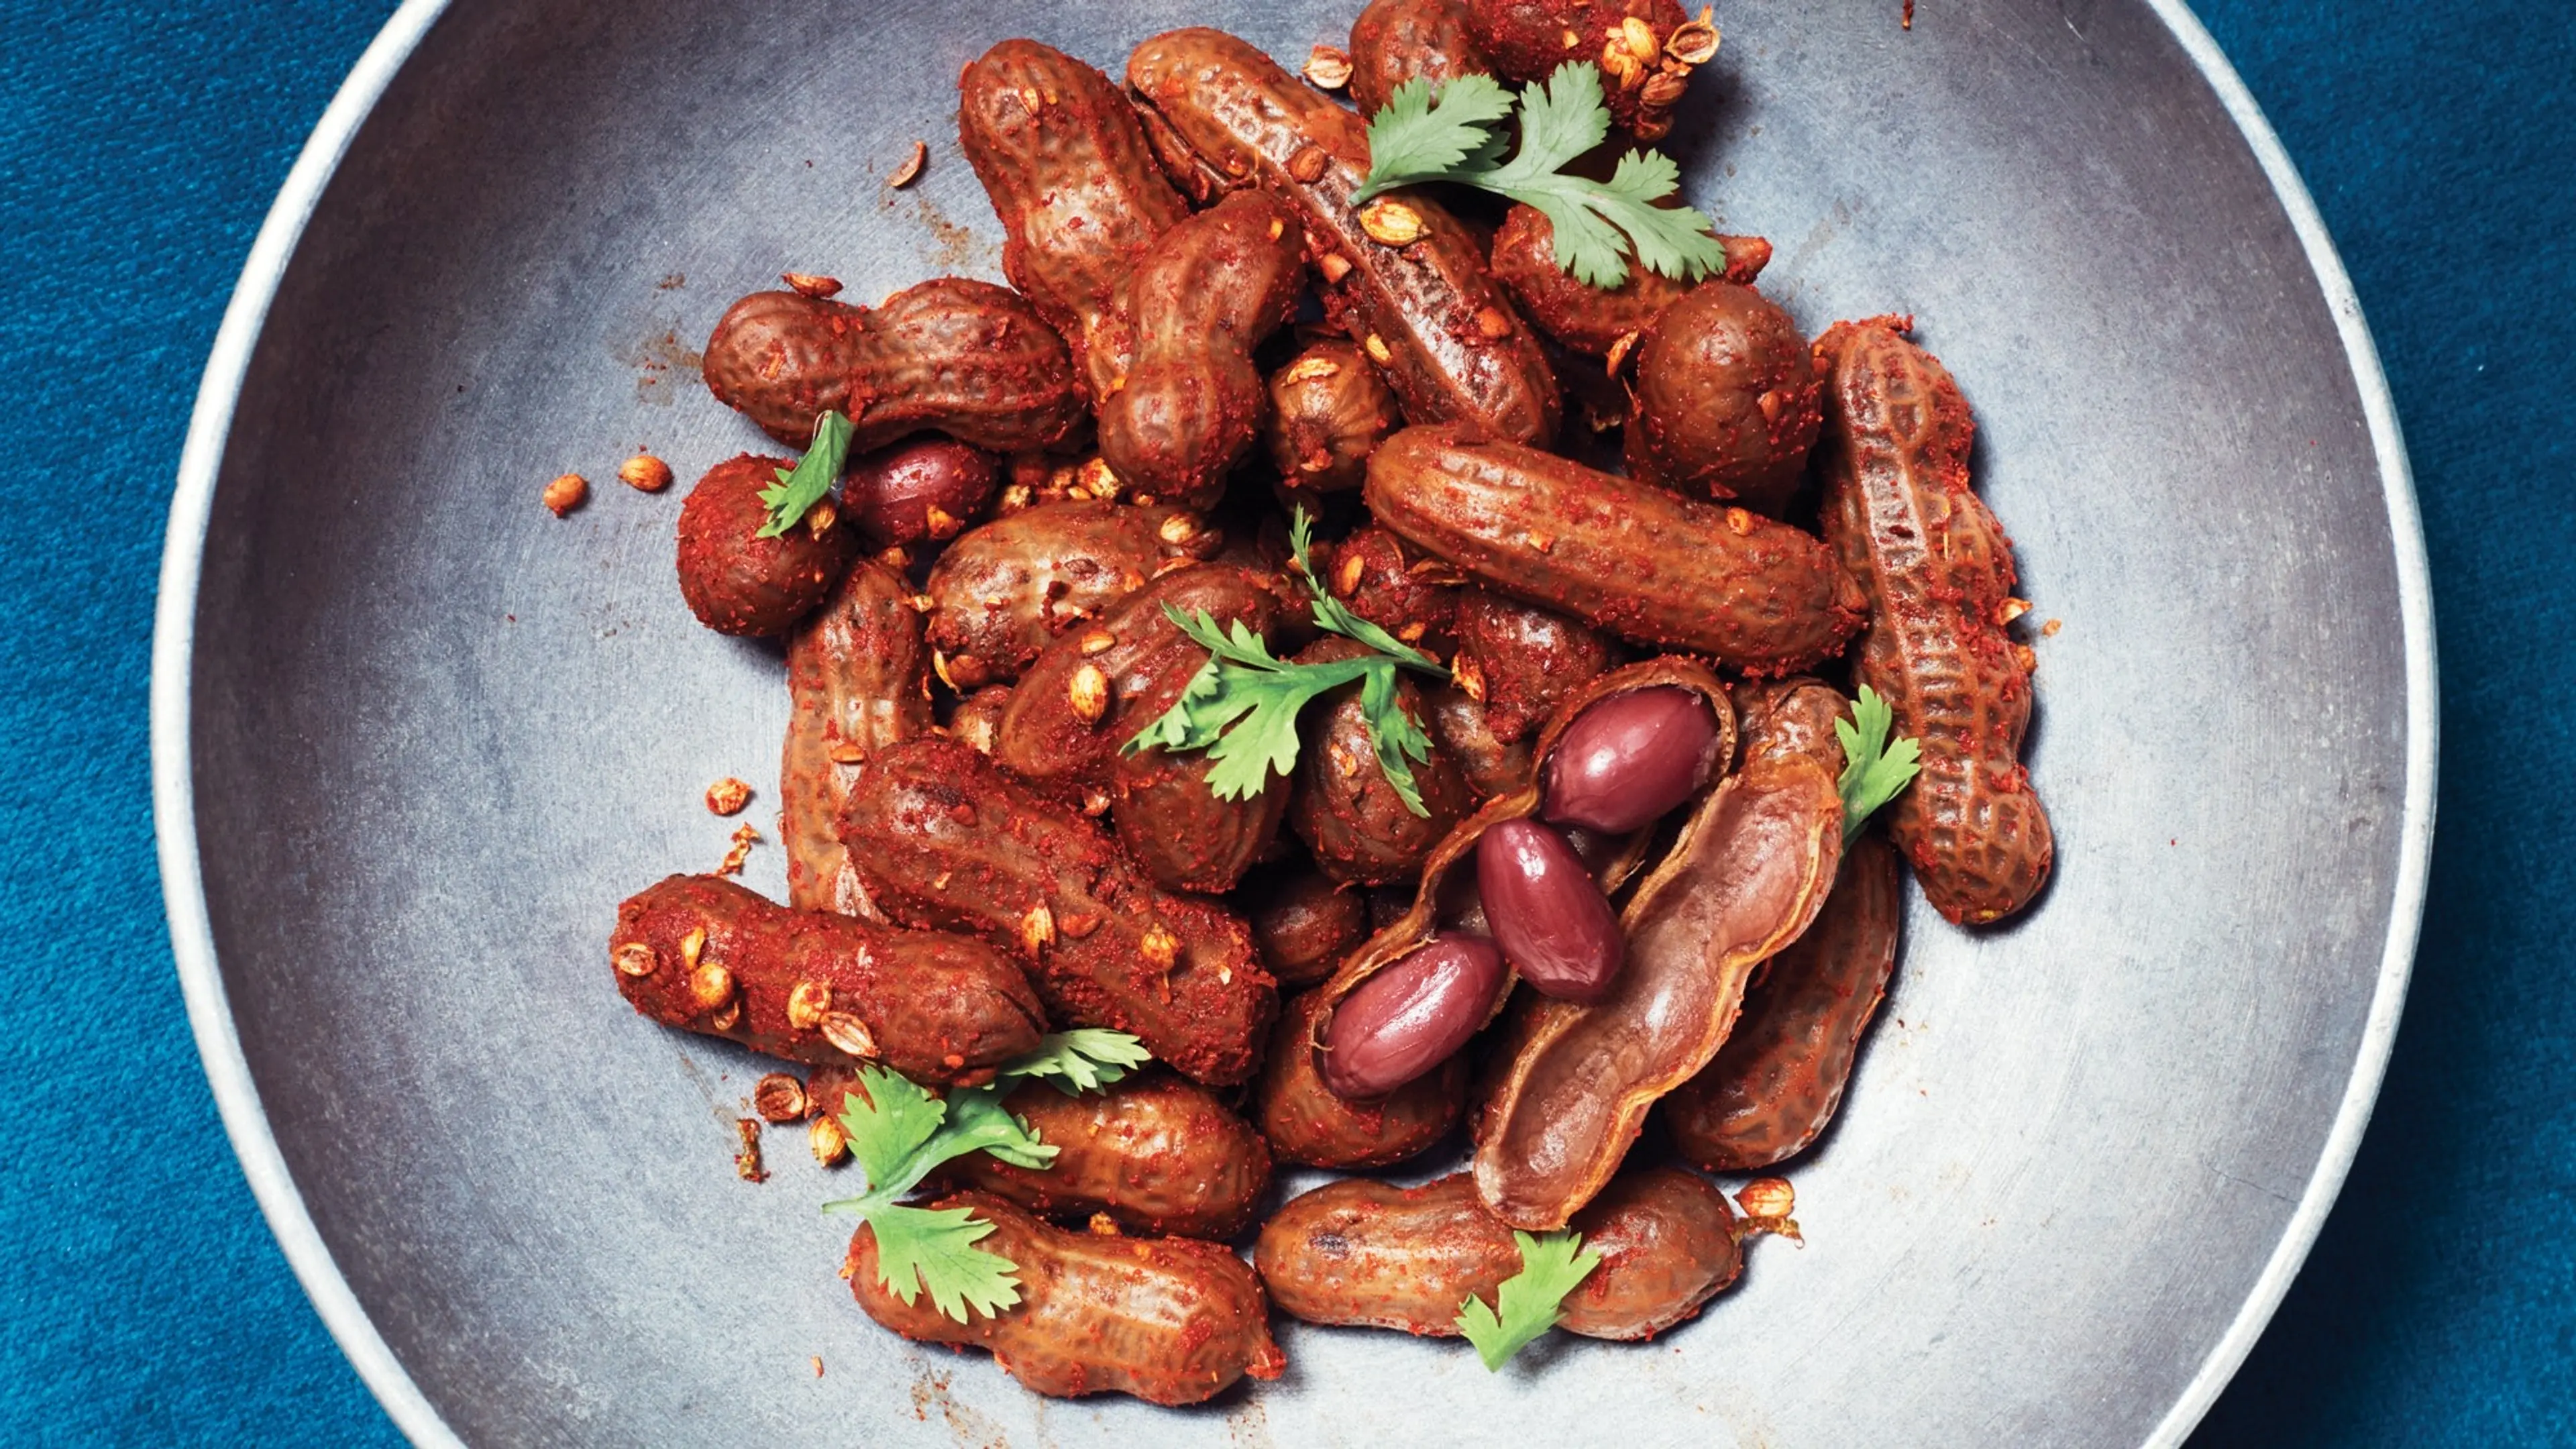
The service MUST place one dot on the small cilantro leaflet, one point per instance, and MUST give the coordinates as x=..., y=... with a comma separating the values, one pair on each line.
x=1598, y=224
x=1332, y=616
x=934, y=1248
x=1394, y=736
x=1873, y=769
x=899, y=1133
x=1419, y=135
x=801, y=487
x=1085, y=1059
x=900, y=1118
x=1530, y=1301
x=1242, y=705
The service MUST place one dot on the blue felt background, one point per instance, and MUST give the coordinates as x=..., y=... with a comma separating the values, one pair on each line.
x=141, y=1297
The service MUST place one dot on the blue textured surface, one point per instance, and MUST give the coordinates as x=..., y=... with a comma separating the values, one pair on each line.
x=141, y=146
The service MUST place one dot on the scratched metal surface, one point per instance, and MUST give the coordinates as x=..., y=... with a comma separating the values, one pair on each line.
x=435, y=735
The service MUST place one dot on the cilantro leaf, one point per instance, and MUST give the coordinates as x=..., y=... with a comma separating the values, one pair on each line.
x=1530, y=1301
x=1242, y=705
x=1335, y=617
x=1394, y=737
x=934, y=1248
x=1085, y=1059
x=900, y=1134
x=1873, y=770
x=978, y=1122
x=889, y=1121
x=1561, y=118
x=1598, y=224
x=1416, y=137
x=1242, y=681
x=803, y=486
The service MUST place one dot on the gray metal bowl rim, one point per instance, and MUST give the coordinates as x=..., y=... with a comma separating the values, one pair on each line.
x=191, y=930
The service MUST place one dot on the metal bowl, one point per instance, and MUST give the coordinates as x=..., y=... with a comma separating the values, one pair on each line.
x=414, y=737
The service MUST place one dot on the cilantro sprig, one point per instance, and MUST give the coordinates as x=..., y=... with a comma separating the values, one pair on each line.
x=899, y=1134
x=1242, y=705
x=801, y=487
x=1530, y=1301
x=1873, y=769
x=1599, y=224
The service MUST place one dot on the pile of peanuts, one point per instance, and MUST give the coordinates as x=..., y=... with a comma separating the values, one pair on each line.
x=1628, y=886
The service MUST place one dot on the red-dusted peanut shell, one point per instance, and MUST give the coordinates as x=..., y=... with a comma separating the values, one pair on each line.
x=1445, y=335
x=783, y=359
x=1184, y=402
x=1639, y=561
x=1344, y=808
x=1409, y=1018
x=1592, y=320
x=1526, y=40
x=1629, y=758
x=942, y=836
x=1329, y=409
x=1304, y=922
x=1370, y=1254
x=1938, y=572
x=968, y=359
x=1723, y=399
x=1001, y=592
x=857, y=677
x=1091, y=691
x=811, y=986
x=1776, y=1082
x=1395, y=41
x=1308, y=1122
x=1523, y=658
x=737, y=582
x=1546, y=912
x=1154, y=1152
x=1752, y=867
x=957, y=356
x=1169, y=1320
x=1403, y=591
x=1060, y=150
x=1668, y=1244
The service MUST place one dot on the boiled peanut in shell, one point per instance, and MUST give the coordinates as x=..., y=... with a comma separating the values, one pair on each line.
x=737, y=582
x=1367, y=1253
x=1169, y=1320
x=1638, y=561
x=1938, y=572
x=710, y=956
x=1153, y=1152
x=943, y=837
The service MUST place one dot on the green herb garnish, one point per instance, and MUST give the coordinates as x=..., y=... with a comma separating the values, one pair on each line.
x=803, y=486
x=899, y=1133
x=1457, y=138
x=1873, y=769
x=1530, y=1301
x=1245, y=686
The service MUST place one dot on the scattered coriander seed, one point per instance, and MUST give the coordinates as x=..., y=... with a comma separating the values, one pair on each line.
x=566, y=493
x=644, y=473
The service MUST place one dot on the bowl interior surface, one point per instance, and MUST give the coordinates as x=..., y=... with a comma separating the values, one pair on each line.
x=436, y=734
